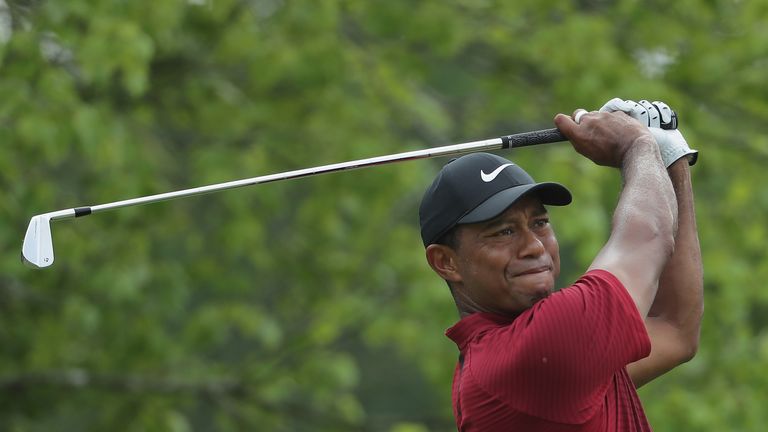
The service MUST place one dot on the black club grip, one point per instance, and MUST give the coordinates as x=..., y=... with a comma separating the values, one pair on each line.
x=544, y=136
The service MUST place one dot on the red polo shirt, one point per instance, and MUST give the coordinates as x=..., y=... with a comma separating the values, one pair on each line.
x=558, y=366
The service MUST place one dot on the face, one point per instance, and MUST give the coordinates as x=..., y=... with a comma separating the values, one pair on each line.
x=507, y=264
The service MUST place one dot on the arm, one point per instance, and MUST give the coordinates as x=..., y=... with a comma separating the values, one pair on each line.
x=566, y=345
x=642, y=236
x=674, y=319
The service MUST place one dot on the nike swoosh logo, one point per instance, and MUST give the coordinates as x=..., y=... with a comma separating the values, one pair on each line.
x=489, y=177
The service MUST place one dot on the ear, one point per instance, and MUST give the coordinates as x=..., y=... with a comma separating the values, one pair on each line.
x=444, y=262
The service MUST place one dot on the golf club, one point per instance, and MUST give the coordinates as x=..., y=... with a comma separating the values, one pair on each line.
x=37, y=249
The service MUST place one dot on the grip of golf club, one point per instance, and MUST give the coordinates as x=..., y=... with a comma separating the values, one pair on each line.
x=543, y=136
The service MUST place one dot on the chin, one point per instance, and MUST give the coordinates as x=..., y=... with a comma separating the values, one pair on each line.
x=541, y=291
x=539, y=296
x=545, y=285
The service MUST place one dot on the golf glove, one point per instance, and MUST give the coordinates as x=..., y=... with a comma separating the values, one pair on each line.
x=662, y=122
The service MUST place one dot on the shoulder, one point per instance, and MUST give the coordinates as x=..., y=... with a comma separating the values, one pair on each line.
x=570, y=344
x=595, y=290
x=578, y=322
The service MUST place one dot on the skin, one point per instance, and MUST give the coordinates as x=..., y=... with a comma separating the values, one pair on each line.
x=645, y=219
x=674, y=321
x=503, y=265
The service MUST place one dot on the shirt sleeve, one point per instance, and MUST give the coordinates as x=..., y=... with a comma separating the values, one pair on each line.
x=556, y=360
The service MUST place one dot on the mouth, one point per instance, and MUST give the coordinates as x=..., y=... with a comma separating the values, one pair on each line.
x=534, y=270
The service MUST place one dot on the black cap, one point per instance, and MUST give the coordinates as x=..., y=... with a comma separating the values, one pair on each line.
x=478, y=187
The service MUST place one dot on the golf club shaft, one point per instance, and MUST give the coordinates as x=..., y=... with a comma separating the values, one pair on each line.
x=504, y=142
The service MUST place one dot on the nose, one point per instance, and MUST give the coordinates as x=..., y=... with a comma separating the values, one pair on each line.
x=532, y=246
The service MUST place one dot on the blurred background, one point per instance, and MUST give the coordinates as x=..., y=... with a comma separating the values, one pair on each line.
x=308, y=305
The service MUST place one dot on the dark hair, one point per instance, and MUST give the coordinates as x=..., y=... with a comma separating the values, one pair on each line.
x=450, y=238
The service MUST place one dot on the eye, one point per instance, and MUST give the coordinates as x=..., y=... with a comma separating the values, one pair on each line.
x=505, y=231
x=541, y=222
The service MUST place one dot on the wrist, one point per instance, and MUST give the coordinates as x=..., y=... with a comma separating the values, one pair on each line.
x=679, y=165
x=642, y=146
x=645, y=142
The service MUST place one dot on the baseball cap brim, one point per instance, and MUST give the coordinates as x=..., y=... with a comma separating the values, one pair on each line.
x=549, y=193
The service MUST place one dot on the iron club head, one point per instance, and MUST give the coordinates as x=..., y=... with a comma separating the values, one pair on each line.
x=37, y=250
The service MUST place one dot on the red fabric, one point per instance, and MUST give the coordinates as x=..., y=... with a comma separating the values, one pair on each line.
x=558, y=366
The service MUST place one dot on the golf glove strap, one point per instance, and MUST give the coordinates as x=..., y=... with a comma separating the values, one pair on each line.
x=662, y=122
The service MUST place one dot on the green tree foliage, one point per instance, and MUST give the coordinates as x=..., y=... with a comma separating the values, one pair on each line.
x=307, y=305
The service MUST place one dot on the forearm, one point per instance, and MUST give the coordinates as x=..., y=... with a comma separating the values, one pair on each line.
x=642, y=237
x=675, y=315
x=679, y=300
x=647, y=205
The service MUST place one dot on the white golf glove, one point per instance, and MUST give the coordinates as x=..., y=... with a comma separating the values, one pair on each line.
x=662, y=122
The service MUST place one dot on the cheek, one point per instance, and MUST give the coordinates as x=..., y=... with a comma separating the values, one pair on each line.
x=553, y=248
x=485, y=265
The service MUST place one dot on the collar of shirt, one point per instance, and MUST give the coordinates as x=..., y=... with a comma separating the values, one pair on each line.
x=473, y=325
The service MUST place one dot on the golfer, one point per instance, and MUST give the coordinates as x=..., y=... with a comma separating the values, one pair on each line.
x=535, y=359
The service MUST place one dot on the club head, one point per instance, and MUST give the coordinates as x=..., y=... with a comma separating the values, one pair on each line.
x=37, y=250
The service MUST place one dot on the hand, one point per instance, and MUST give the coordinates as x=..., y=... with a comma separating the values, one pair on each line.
x=662, y=122
x=603, y=137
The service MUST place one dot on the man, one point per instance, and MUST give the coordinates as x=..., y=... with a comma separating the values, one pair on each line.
x=532, y=359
